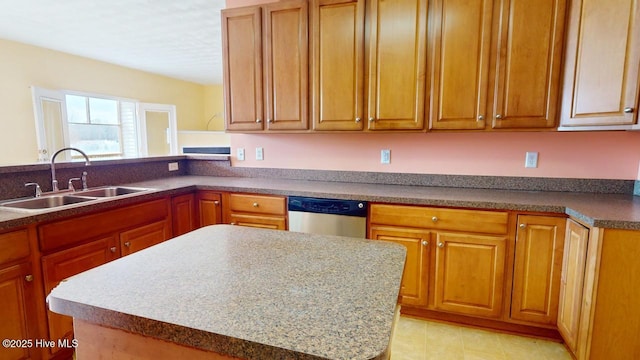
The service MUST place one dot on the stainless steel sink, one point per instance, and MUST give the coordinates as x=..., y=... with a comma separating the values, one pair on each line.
x=111, y=191
x=46, y=202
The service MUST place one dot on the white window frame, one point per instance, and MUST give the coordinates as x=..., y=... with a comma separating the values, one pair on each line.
x=44, y=151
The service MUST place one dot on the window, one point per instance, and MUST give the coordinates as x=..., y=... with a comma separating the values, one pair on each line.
x=104, y=127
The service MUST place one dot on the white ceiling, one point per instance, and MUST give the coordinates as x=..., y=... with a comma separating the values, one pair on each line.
x=176, y=38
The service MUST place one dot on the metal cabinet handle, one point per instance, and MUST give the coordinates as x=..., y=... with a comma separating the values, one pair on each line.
x=480, y=117
x=255, y=204
x=113, y=249
x=127, y=244
x=425, y=243
x=372, y=119
x=358, y=119
x=441, y=245
x=28, y=278
x=434, y=219
x=258, y=120
x=522, y=226
x=628, y=110
x=498, y=116
x=216, y=203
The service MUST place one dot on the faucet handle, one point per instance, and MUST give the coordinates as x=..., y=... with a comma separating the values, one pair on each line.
x=70, y=187
x=84, y=181
x=38, y=190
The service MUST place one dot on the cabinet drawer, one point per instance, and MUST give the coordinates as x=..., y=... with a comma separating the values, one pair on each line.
x=61, y=234
x=14, y=245
x=259, y=204
x=477, y=221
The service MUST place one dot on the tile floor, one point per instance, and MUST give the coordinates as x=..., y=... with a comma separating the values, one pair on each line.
x=416, y=339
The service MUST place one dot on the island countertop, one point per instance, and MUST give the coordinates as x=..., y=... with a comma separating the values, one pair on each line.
x=248, y=293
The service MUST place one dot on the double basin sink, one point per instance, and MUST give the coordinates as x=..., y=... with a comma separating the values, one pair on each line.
x=62, y=199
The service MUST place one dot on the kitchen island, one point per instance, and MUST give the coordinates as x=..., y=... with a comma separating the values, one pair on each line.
x=225, y=292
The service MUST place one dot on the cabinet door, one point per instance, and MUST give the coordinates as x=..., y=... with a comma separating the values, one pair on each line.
x=469, y=274
x=63, y=264
x=209, y=208
x=286, y=65
x=396, y=64
x=460, y=50
x=259, y=221
x=242, y=68
x=538, y=266
x=415, y=279
x=528, y=74
x=337, y=64
x=143, y=237
x=183, y=214
x=571, y=286
x=601, y=64
x=17, y=310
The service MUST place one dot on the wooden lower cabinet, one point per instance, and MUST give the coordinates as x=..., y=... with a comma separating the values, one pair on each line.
x=263, y=211
x=143, y=237
x=183, y=214
x=63, y=264
x=469, y=274
x=537, y=269
x=209, y=208
x=18, y=310
x=571, y=287
x=415, y=280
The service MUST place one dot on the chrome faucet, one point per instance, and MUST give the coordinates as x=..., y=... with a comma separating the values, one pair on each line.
x=54, y=181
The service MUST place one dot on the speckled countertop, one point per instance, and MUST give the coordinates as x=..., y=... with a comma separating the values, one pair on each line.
x=249, y=293
x=599, y=210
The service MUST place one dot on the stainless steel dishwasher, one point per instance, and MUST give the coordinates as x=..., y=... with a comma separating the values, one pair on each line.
x=328, y=216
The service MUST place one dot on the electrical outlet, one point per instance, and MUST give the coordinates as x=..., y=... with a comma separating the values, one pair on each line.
x=240, y=154
x=259, y=153
x=173, y=166
x=531, y=160
x=385, y=156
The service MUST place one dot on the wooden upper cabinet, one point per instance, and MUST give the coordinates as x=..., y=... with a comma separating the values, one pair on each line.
x=266, y=42
x=336, y=45
x=286, y=65
x=459, y=63
x=242, y=68
x=396, y=66
x=528, y=63
x=601, y=84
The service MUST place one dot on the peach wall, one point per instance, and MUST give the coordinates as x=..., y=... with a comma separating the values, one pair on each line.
x=597, y=155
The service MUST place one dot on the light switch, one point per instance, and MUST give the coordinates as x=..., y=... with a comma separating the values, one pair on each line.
x=259, y=153
x=531, y=160
x=240, y=154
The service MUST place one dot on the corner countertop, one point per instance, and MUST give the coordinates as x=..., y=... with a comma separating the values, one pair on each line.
x=598, y=210
x=249, y=293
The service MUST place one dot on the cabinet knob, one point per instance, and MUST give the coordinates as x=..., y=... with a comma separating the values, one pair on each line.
x=434, y=219
x=628, y=110
x=28, y=278
x=216, y=203
x=232, y=223
x=480, y=117
x=372, y=119
x=258, y=120
x=113, y=249
x=522, y=226
x=498, y=116
x=127, y=244
x=270, y=120
x=441, y=245
x=358, y=119
x=425, y=243
x=255, y=204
